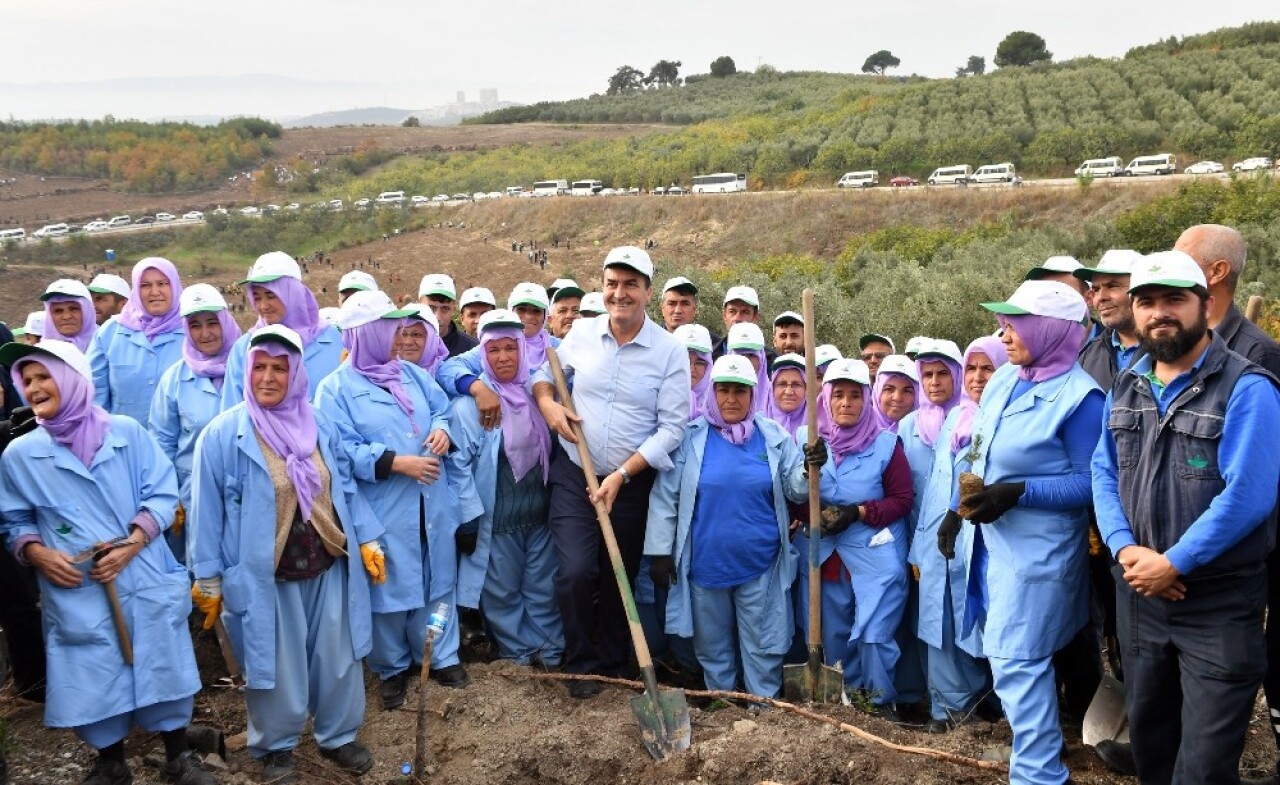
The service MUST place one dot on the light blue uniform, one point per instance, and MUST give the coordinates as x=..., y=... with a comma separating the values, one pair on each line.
x=320, y=358
x=183, y=405
x=510, y=576
x=1027, y=573
x=762, y=606
x=878, y=573
x=127, y=367
x=454, y=368
x=46, y=491
x=957, y=679
x=370, y=423
x=909, y=677
x=298, y=642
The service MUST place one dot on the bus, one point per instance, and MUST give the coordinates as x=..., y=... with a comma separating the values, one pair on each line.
x=720, y=183
x=550, y=187
x=586, y=187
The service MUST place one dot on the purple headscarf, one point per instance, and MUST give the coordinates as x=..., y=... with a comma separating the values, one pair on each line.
x=790, y=421
x=289, y=427
x=1054, y=344
x=535, y=348
x=301, y=313
x=211, y=366
x=739, y=432
x=134, y=314
x=759, y=403
x=849, y=440
x=526, y=440
x=882, y=419
x=434, y=351
x=80, y=425
x=962, y=432
x=88, y=321
x=372, y=355
x=930, y=416
x=699, y=392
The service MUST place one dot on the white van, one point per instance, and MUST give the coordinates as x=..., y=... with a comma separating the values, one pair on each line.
x=1160, y=163
x=10, y=235
x=390, y=197
x=959, y=173
x=119, y=220
x=1101, y=167
x=514, y=190
x=586, y=187
x=859, y=179
x=52, y=230
x=994, y=173
x=550, y=187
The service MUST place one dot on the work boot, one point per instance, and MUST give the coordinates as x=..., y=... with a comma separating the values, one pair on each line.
x=584, y=688
x=393, y=689
x=277, y=768
x=451, y=676
x=886, y=711
x=350, y=756
x=109, y=772
x=1118, y=757
x=188, y=769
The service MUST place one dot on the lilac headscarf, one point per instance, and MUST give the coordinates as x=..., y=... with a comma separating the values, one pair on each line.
x=962, y=432
x=1054, y=344
x=526, y=440
x=929, y=415
x=134, y=314
x=88, y=321
x=849, y=440
x=535, y=348
x=759, y=403
x=882, y=419
x=790, y=421
x=434, y=351
x=372, y=355
x=211, y=366
x=80, y=425
x=301, y=313
x=289, y=427
x=699, y=392
x=739, y=432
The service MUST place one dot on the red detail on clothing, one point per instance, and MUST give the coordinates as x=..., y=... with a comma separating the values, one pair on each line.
x=833, y=570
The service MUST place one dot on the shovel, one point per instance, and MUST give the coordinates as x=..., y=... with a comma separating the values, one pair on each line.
x=663, y=714
x=814, y=681
x=1106, y=717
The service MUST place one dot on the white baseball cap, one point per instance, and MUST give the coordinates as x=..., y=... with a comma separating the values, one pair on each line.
x=745, y=335
x=271, y=266
x=362, y=308
x=423, y=312
x=564, y=287
x=914, y=344
x=1114, y=262
x=331, y=314
x=788, y=360
x=679, y=282
x=592, y=302
x=277, y=333
x=1167, y=268
x=631, y=257
x=441, y=285
x=877, y=338
x=528, y=294
x=733, y=368
x=66, y=287
x=1043, y=298
x=476, y=294
x=849, y=369
x=898, y=363
x=695, y=337
x=942, y=348
x=358, y=280
x=1054, y=264
x=788, y=317
x=199, y=298
x=825, y=353
x=744, y=293
x=34, y=325
x=106, y=283
x=500, y=317
x=66, y=351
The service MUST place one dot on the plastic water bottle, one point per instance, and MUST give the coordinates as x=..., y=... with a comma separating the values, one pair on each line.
x=406, y=769
x=438, y=620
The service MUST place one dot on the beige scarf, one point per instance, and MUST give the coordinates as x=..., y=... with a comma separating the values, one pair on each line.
x=323, y=516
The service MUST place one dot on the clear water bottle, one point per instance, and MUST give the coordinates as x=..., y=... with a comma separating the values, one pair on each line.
x=438, y=620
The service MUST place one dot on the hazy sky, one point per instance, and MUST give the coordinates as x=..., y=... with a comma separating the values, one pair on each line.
x=417, y=53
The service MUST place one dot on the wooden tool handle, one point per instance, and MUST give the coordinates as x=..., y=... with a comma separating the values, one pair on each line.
x=117, y=615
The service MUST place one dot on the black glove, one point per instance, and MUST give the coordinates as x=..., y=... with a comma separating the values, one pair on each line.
x=994, y=500
x=948, y=530
x=22, y=421
x=815, y=454
x=837, y=518
x=662, y=569
x=465, y=540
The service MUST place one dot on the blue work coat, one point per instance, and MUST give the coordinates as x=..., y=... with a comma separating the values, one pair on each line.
x=232, y=531
x=127, y=367
x=669, y=529
x=370, y=422
x=859, y=478
x=46, y=491
x=320, y=358
x=454, y=368
x=1037, y=575
x=920, y=459
x=183, y=405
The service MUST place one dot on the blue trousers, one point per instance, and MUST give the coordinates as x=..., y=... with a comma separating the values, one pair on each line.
x=518, y=598
x=909, y=674
x=1029, y=693
x=651, y=607
x=400, y=637
x=727, y=627
x=316, y=669
x=158, y=717
x=957, y=680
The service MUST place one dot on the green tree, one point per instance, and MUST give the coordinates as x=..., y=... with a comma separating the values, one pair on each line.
x=723, y=66
x=879, y=62
x=665, y=73
x=625, y=80
x=1021, y=48
x=977, y=66
x=411, y=122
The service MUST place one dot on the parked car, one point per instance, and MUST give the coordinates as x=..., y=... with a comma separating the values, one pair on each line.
x=335, y=204
x=194, y=215
x=419, y=199
x=221, y=211
x=675, y=190
x=440, y=198
x=145, y=220
x=902, y=181
x=165, y=217
x=461, y=198
x=271, y=208
x=1203, y=167
x=293, y=206
x=495, y=195
x=250, y=210
x=1252, y=164
x=479, y=196
x=96, y=226
x=365, y=202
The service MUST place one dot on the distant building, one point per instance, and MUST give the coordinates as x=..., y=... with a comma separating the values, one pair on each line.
x=489, y=96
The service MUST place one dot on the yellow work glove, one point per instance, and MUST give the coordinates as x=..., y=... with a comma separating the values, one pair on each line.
x=206, y=595
x=179, y=518
x=375, y=563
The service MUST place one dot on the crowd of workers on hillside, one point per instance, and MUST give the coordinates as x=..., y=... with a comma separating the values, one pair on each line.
x=1091, y=483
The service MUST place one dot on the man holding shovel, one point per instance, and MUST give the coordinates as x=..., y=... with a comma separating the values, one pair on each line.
x=631, y=392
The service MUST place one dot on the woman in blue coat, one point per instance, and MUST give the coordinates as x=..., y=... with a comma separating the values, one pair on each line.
x=187, y=398
x=130, y=353
x=393, y=419
x=508, y=565
x=866, y=495
x=718, y=535
x=1027, y=586
x=279, y=297
x=278, y=534
x=895, y=393
x=82, y=479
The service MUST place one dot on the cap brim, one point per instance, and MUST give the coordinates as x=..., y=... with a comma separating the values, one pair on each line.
x=12, y=352
x=1007, y=309
x=779, y=365
x=1174, y=283
x=263, y=278
x=492, y=325
x=630, y=266
x=530, y=302
x=567, y=291
x=44, y=298
x=400, y=313
x=100, y=290
x=203, y=309
x=438, y=293
x=683, y=288
x=735, y=380
x=258, y=339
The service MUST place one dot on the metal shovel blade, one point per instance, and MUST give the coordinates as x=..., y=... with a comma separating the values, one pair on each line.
x=799, y=684
x=664, y=722
x=1106, y=717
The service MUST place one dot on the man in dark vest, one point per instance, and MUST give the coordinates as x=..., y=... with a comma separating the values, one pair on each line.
x=1113, y=350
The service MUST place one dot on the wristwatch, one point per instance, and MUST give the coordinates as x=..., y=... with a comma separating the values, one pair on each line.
x=626, y=475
